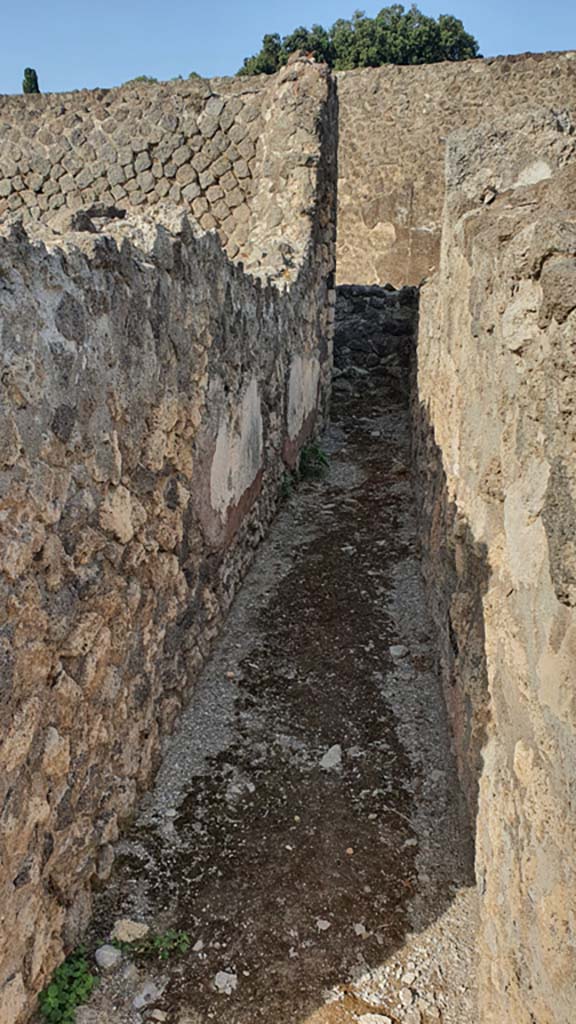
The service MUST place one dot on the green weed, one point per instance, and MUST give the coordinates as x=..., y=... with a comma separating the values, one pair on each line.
x=70, y=986
x=160, y=947
x=313, y=462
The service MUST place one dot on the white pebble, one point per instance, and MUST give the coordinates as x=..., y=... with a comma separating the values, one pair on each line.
x=332, y=758
x=107, y=957
x=225, y=982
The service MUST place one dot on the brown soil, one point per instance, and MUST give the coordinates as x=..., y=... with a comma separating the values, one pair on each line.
x=318, y=890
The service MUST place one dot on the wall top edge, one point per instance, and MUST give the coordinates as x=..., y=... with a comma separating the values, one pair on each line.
x=478, y=62
x=187, y=87
x=256, y=83
x=151, y=237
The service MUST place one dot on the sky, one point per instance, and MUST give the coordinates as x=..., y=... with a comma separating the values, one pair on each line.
x=104, y=43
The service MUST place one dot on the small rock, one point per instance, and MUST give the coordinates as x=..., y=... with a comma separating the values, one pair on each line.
x=198, y=946
x=332, y=758
x=360, y=930
x=322, y=925
x=126, y=930
x=374, y=1018
x=409, y=978
x=160, y=1015
x=147, y=994
x=225, y=982
x=239, y=789
x=413, y=1016
x=406, y=997
x=398, y=651
x=107, y=957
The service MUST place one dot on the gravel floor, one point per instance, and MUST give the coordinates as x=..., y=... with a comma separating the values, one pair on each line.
x=306, y=828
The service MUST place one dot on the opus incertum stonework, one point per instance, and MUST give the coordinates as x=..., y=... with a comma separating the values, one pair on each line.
x=168, y=264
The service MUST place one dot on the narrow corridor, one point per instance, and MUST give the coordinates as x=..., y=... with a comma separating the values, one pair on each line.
x=306, y=828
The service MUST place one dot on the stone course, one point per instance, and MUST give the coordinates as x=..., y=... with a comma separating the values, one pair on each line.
x=495, y=422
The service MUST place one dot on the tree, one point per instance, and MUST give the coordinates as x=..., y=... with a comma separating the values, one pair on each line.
x=315, y=40
x=30, y=83
x=393, y=36
x=456, y=43
x=144, y=79
x=268, y=60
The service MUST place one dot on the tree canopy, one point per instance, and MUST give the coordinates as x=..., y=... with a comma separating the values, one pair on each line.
x=393, y=36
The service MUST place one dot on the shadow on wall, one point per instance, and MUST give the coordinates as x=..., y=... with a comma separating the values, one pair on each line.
x=298, y=879
x=376, y=339
x=457, y=574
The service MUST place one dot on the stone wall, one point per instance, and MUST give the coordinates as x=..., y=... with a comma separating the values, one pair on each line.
x=239, y=155
x=496, y=428
x=374, y=341
x=374, y=327
x=393, y=123
x=152, y=395
x=232, y=151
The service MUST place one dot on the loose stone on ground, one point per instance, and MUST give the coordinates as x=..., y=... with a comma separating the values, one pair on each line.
x=317, y=853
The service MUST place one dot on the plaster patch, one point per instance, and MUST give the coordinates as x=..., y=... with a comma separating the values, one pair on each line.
x=238, y=456
x=537, y=171
x=302, y=392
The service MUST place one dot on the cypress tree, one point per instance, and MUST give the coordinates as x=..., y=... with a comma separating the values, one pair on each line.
x=30, y=83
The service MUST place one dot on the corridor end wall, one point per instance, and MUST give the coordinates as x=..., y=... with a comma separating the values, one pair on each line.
x=393, y=125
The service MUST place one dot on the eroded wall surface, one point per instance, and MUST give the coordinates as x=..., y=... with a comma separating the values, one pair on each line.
x=496, y=427
x=393, y=125
x=153, y=395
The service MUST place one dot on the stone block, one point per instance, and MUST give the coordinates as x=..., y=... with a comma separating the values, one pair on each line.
x=142, y=162
x=146, y=181
x=191, y=191
x=116, y=175
x=186, y=174
x=181, y=155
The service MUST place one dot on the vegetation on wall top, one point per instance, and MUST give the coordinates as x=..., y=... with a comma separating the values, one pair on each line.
x=393, y=36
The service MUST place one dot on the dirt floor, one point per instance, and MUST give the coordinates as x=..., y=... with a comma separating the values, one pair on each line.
x=306, y=829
